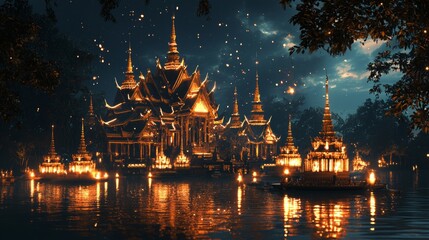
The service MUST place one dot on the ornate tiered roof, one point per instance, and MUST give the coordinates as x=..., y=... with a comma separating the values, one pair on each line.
x=257, y=129
x=289, y=155
x=82, y=160
x=328, y=153
x=51, y=161
x=153, y=109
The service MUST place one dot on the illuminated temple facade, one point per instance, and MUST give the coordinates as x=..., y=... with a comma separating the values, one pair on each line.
x=261, y=140
x=253, y=138
x=328, y=156
x=289, y=155
x=82, y=160
x=165, y=118
x=52, y=161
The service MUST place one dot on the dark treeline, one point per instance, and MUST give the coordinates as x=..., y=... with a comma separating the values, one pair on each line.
x=42, y=78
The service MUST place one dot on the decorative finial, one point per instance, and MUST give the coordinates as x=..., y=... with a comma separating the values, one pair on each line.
x=130, y=62
x=256, y=95
x=82, y=145
x=52, y=147
x=235, y=116
x=327, y=126
x=173, y=59
x=91, y=107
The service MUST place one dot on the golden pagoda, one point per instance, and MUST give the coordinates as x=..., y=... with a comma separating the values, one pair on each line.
x=328, y=158
x=166, y=119
x=289, y=155
x=82, y=160
x=262, y=142
x=234, y=133
x=52, y=161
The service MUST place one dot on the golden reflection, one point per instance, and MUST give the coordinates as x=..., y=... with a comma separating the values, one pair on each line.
x=97, y=196
x=329, y=219
x=291, y=208
x=39, y=194
x=239, y=199
x=372, y=210
x=105, y=189
x=149, y=183
x=117, y=184
x=31, y=189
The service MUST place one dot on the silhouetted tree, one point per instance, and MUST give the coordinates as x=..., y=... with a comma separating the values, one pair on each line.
x=402, y=26
x=373, y=133
x=34, y=96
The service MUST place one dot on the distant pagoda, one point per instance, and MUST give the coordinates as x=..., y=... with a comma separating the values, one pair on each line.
x=234, y=133
x=289, y=155
x=51, y=161
x=262, y=141
x=82, y=160
x=328, y=156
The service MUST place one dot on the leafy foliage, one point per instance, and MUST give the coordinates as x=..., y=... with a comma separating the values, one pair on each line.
x=402, y=26
x=42, y=76
x=373, y=134
x=21, y=62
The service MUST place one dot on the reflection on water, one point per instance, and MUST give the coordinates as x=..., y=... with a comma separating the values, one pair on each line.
x=209, y=208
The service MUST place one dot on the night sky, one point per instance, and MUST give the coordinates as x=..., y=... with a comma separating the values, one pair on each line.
x=226, y=45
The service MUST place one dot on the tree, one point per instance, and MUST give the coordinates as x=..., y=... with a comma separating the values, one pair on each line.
x=374, y=134
x=334, y=26
x=37, y=99
x=21, y=65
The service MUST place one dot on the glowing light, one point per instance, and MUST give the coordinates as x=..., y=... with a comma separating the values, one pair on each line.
x=150, y=175
x=117, y=175
x=200, y=107
x=291, y=90
x=239, y=178
x=372, y=178
x=254, y=174
x=286, y=171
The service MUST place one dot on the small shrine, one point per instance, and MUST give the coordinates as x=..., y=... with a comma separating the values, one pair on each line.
x=52, y=161
x=327, y=161
x=289, y=156
x=82, y=160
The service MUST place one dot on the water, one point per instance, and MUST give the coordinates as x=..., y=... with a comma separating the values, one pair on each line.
x=206, y=208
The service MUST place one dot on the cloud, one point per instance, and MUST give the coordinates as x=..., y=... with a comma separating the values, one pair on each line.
x=369, y=46
x=266, y=28
x=344, y=71
x=288, y=41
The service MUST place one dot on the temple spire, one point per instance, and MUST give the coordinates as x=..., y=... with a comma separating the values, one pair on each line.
x=257, y=113
x=235, y=107
x=82, y=145
x=327, y=126
x=129, y=82
x=235, y=116
x=130, y=61
x=91, y=107
x=52, y=147
x=289, y=133
x=173, y=59
x=256, y=94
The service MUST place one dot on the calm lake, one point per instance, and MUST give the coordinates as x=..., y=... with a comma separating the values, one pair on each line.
x=209, y=208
